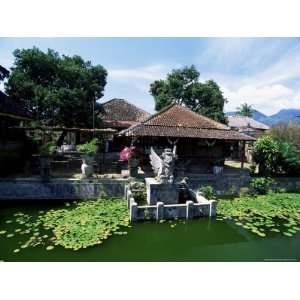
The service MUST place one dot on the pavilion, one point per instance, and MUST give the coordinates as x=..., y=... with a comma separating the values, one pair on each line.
x=201, y=143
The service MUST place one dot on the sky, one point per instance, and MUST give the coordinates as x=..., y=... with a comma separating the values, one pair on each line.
x=263, y=72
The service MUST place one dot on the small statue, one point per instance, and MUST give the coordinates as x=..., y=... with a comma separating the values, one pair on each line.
x=87, y=169
x=163, y=167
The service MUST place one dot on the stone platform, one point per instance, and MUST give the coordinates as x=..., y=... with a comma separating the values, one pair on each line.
x=161, y=192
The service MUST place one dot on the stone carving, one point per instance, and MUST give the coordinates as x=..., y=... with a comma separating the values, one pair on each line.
x=87, y=169
x=163, y=166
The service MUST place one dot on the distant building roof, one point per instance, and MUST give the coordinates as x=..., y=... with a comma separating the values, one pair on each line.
x=121, y=113
x=242, y=122
x=178, y=121
x=11, y=108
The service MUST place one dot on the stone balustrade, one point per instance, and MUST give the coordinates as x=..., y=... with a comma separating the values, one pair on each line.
x=161, y=211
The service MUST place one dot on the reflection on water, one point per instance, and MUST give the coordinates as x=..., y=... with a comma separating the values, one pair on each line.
x=195, y=240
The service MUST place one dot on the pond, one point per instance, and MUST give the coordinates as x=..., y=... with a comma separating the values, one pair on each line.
x=194, y=240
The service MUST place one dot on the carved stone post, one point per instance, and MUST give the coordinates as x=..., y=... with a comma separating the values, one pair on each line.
x=189, y=209
x=133, y=210
x=159, y=210
x=212, y=208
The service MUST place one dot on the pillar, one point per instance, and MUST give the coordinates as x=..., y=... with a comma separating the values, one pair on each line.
x=133, y=210
x=189, y=209
x=159, y=211
x=243, y=155
x=212, y=208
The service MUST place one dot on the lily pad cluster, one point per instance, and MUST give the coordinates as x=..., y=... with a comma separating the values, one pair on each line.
x=263, y=214
x=88, y=224
x=79, y=225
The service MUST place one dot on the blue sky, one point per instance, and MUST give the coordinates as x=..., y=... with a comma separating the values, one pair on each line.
x=264, y=72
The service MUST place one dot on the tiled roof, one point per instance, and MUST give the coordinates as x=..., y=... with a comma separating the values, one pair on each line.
x=178, y=121
x=243, y=122
x=121, y=113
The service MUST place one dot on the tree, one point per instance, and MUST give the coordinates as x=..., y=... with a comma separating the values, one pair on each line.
x=57, y=90
x=3, y=73
x=245, y=110
x=276, y=156
x=182, y=86
x=287, y=132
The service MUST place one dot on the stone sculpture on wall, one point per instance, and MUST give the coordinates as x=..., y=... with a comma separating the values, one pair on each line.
x=163, y=166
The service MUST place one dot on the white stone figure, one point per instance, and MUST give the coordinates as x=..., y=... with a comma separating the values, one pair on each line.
x=87, y=169
x=163, y=167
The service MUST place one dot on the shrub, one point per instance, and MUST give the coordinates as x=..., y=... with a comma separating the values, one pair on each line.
x=207, y=191
x=266, y=153
x=276, y=156
x=252, y=169
x=261, y=185
x=290, y=160
x=47, y=149
x=286, y=132
x=89, y=148
x=139, y=192
x=244, y=192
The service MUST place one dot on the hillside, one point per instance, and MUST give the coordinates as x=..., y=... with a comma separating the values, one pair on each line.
x=291, y=115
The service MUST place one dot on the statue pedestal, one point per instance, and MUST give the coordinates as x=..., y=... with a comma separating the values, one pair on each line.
x=161, y=192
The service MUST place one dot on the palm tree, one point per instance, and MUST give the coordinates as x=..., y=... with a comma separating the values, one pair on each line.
x=245, y=110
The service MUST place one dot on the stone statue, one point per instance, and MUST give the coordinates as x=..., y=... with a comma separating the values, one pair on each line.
x=163, y=166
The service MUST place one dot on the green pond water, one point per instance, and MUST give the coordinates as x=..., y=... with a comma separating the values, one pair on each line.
x=195, y=240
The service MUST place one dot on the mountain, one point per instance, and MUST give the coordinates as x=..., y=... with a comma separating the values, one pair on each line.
x=287, y=115
x=291, y=115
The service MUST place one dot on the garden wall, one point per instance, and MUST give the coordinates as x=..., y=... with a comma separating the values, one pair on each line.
x=231, y=184
x=290, y=184
x=60, y=189
x=222, y=184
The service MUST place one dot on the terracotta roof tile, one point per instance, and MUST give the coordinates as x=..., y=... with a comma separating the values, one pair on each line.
x=177, y=115
x=122, y=113
x=243, y=122
x=178, y=121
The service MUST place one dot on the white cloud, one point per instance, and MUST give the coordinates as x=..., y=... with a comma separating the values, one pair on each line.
x=268, y=99
x=268, y=89
x=148, y=73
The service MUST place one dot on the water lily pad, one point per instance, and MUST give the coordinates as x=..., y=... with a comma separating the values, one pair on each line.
x=288, y=234
x=8, y=221
x=16, y=250
x=3, y=231
x=261, y=234
x=10, y=235
x=48, y=248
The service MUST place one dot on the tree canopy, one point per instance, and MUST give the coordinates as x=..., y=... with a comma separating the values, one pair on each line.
x=3, y=73
x=182, y=86
x=245, y=110
x=57, y=90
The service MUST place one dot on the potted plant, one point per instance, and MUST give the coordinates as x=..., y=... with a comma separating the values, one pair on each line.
x=130, y=154
x=45, y=152
x=88, y=151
